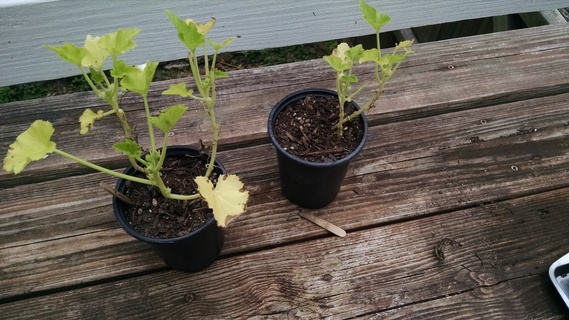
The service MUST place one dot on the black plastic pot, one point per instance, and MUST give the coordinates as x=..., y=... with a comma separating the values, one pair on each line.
x=310, y=184
x=192, y=252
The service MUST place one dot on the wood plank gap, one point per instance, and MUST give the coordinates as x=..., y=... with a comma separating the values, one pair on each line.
x=449, y=210
x=86, y=284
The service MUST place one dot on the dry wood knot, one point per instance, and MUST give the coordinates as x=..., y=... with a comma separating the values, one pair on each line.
x=440, y=247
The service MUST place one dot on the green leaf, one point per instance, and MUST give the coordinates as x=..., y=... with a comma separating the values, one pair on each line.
x=119, y=69
x=179, y=89
x=128, y=147
x=69, y=52
x=95, y=55
x=187, y=32
x=166, y=120
x=87, y=119
x=119, y=42
x=370, y=55
x=338, y=60
x=218, y=74
x=375, y=19
x=336, y=63
x=349, y=79
x=227, y=199
x=31, y=145
x=354, y=53
x=218, y=46
x=138, y=79
x=394, y=58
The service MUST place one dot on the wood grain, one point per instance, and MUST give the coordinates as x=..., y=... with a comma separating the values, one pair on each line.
x=373, y=271
x=408, y=169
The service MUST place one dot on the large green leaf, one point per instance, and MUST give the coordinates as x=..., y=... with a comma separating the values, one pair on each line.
x=166, y=120
x=31, y=145
x=188, y=33
x=119, y=42
x=129, y=148
x=354, y=53
x=138, y=79
x=69, y=52
x=336, y=63
x=375, y=19
x=119, y=69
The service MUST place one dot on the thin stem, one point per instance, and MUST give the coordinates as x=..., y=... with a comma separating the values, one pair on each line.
x=194, y=68
x=91, y=84
x=163, y=152
x=341, y=100
x=108, y=113
x=351, y=97
x=103, y=169
x=205, y=58
x=184, y=197
x=214, y=126
x=150, y=128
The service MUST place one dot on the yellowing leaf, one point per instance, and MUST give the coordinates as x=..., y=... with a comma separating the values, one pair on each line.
x=95, y=54
x=203, y=28
x=119, y=42
x=228, y=198
x=31, y=145
x=87, y=119
x=340, y=51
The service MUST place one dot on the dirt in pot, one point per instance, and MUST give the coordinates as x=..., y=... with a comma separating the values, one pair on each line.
x=304, y=129
x=157, y=217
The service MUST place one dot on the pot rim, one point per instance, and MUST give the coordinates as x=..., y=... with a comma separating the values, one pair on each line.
x=121, y=219
x=284, y=102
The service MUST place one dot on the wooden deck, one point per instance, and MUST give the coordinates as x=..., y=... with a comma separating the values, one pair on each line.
x=470, y=143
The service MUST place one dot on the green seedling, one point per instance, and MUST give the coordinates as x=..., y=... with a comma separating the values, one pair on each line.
x=227, y=198
x=344, y=57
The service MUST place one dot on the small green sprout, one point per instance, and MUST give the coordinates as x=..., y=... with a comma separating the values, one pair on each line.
x=227, y=198
x=344, y=57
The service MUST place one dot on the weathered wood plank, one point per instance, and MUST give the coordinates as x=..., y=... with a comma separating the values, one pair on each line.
x=484, y=303
x=330, y=277
x=489, y=70
x=259, y=24
x=426, y=161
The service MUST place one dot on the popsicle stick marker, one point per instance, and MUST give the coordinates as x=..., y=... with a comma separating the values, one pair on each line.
x=323, y=223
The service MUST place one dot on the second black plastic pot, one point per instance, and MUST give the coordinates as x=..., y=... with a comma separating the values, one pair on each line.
x=310, y=184
x=192, y=252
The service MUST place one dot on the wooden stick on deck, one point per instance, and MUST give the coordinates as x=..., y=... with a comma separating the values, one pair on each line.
x=323, y=223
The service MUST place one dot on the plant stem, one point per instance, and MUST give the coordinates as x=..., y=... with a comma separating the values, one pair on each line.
x=184, y=197
x=150, y=128
x=214, y=127
x=341, y=100
x=103, y=169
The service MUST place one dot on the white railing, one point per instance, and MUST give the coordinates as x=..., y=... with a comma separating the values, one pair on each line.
x=259, y=24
